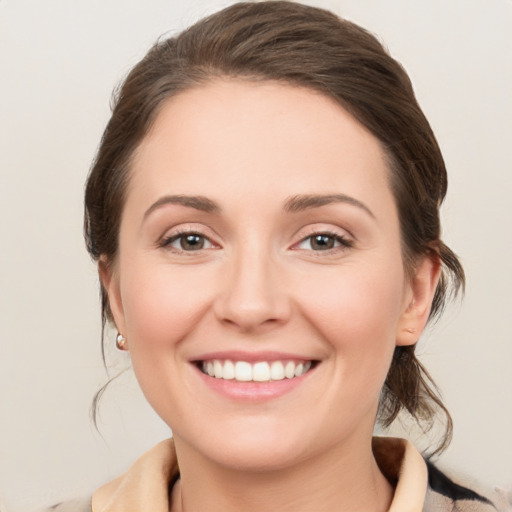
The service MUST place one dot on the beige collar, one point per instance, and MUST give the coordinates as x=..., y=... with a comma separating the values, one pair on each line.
x=145, y=486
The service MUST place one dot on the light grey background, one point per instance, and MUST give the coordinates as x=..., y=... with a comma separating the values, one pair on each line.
x=59, y=61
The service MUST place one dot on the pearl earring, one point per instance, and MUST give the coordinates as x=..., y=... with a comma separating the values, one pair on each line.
x=120, y=341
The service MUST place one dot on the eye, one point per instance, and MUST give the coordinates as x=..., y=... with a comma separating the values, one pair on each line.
x=323, y=242
x=187, y=242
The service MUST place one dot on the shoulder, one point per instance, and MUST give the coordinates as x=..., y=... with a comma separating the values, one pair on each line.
x=76, y=505
x=444, y=494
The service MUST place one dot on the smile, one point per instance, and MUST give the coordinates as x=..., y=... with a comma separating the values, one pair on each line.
x=263, y=371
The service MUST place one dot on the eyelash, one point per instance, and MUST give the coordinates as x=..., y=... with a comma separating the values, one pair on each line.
x=344, y=243
x=167, y=241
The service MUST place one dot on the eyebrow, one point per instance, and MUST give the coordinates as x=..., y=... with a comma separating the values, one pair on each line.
x=294, y=204
x=198, y=202
x=304, y=202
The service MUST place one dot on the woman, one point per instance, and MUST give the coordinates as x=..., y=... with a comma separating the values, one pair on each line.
x=264, y=211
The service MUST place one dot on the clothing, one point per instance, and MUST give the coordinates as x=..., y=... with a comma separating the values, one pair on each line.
x=419, y=485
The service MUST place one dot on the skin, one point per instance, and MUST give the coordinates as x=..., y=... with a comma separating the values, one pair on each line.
x=259, y=284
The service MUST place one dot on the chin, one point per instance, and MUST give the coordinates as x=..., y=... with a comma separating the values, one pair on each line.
x=252, y=446
x=259, y=456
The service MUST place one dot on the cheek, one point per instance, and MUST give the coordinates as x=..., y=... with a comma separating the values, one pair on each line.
x=162, y=304
x=357, y=302
x=358, y=314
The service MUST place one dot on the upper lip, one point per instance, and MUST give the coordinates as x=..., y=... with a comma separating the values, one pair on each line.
x=251, y=357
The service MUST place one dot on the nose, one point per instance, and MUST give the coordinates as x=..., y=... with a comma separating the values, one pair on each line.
x=253, y=294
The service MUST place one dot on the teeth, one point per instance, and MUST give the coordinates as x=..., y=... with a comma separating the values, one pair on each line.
x=277, y=370
x=243, y=371
x=261, y=372
x=258, y=372
x=217, y=369
x=228, y=372
x=289, y=370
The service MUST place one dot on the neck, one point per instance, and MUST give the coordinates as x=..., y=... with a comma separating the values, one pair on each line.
x=340, y=479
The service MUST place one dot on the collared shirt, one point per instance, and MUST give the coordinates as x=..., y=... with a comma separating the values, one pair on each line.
x=419, y=486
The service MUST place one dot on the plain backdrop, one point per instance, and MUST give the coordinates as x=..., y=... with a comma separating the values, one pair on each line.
x=59, y=61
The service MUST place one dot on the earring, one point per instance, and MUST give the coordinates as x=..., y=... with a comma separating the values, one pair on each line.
x=121, y=342
x=410, y=330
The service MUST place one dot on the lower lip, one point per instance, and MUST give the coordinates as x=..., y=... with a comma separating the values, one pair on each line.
x=252, y=391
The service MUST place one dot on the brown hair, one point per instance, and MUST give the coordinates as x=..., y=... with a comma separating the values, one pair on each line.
x=307, y=47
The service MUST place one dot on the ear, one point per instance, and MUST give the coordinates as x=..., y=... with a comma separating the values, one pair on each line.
x=418, y=297
x=110, y=283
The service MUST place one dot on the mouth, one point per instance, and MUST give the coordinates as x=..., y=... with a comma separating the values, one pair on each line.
x=260, y=371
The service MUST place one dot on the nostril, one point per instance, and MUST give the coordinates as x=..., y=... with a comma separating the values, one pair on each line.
x=251, y=324
x=251, y=296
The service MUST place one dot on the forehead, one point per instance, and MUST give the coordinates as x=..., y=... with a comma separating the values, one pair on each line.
x=249, y=138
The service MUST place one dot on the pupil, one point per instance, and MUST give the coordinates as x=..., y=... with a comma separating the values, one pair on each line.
x=192, y=242
x=323, y=242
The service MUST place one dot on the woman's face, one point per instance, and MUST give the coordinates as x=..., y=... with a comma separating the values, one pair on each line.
x=259, y=241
